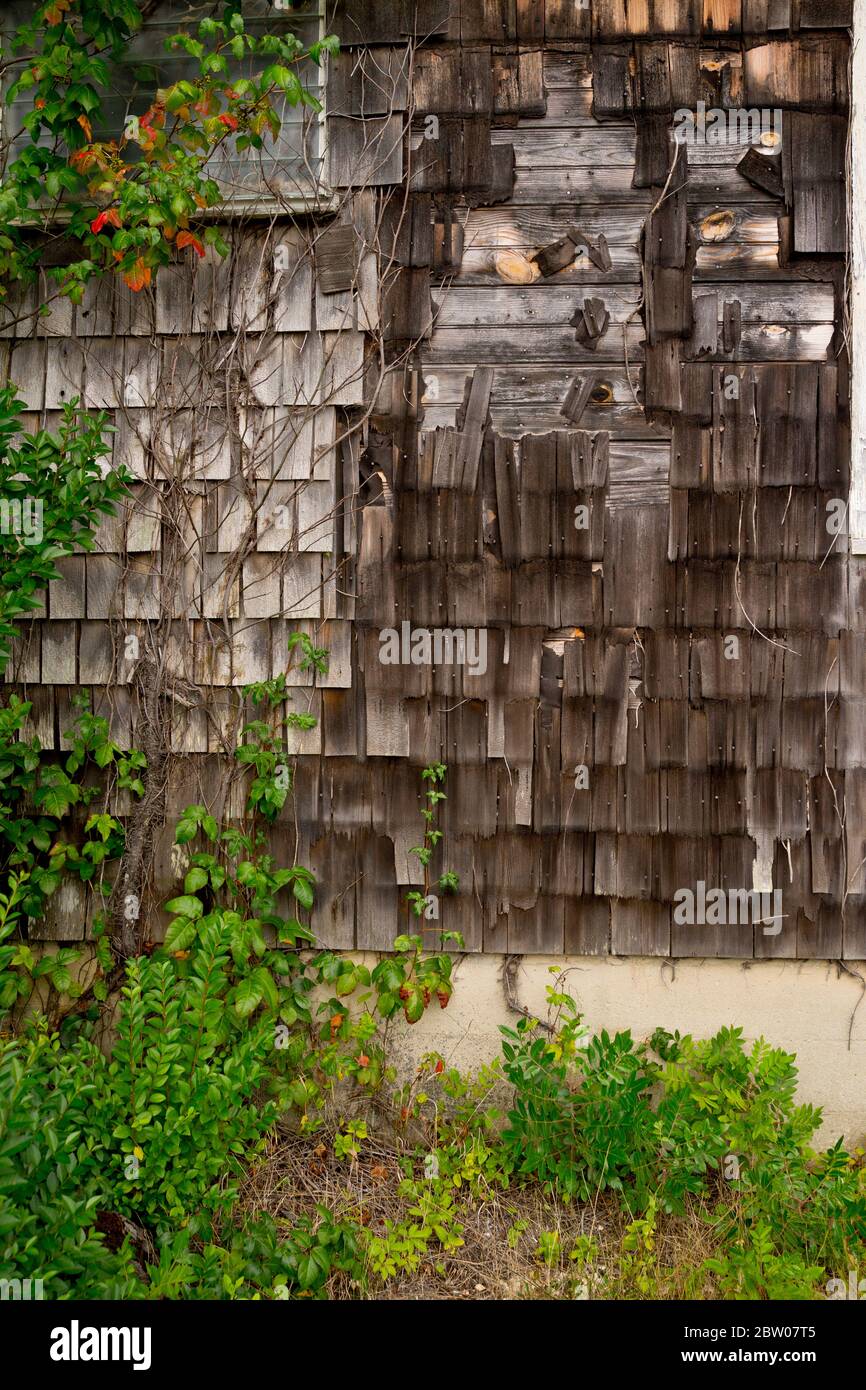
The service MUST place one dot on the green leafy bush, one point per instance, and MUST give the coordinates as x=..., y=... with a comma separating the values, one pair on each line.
x=580, y=1119
x=259, y=1260
x=49, y=1193
x=753, y=1269
x=712, y=1122
x=61, y=1171
x=217, y=1032
x=175, y=1108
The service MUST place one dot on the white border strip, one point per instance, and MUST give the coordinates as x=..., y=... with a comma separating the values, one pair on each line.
x=857, y=227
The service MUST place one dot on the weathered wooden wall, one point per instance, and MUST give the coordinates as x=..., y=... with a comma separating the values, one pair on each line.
x=706, y=432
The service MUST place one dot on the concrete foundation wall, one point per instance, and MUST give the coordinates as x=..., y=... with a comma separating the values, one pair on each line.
x=805, y=1007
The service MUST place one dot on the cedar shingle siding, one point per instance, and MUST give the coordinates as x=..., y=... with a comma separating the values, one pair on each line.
x=697, y=643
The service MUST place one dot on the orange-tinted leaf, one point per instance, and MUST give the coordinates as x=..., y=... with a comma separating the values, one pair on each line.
x=154, y=116
x=54, y=13
x=187, y=239
x=139, y=276
x=86, y=126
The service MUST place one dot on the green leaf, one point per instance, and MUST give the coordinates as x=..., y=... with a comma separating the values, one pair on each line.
x=413, y=1007
x=264, y=980
x=303, y=892
x=248, y=996
x=185, y=904
x=61, y=978
x=180, y=935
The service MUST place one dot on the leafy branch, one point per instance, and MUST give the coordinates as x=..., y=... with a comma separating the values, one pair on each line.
x=447, y=882
x=133, y=199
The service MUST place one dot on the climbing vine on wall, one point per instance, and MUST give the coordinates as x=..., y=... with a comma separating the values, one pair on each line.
x=242, y=395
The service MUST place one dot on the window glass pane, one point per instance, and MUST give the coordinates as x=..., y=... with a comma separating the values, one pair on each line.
x=288, y=165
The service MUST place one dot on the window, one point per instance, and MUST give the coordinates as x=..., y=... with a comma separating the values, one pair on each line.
x=286, y=172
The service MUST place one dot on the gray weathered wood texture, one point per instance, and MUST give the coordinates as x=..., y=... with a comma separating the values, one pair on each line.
x=697, y=647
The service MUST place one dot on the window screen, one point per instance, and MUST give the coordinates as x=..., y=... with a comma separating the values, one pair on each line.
x=287, y=167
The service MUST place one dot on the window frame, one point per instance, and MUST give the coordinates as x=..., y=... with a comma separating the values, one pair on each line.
x=321, y=198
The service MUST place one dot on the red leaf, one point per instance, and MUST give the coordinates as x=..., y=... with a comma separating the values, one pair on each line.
x=230, y=121
x=187, y=239
x=153, y=116
x=111, y=216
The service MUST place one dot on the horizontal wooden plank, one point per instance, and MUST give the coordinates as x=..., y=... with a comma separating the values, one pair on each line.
x=638, y=473
x=733, y=260
x=519, y=385
x=564, y=70
x=564, y=183
x=758, y=223
x=522, y=305
x=728, y=260
x=554, y=343
x=476, y=268
x=527, y=225
x=570, y=106
x=546, y=144
x=517, y=420
x=486, y=344
x=776, y=342
x=528, y=400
